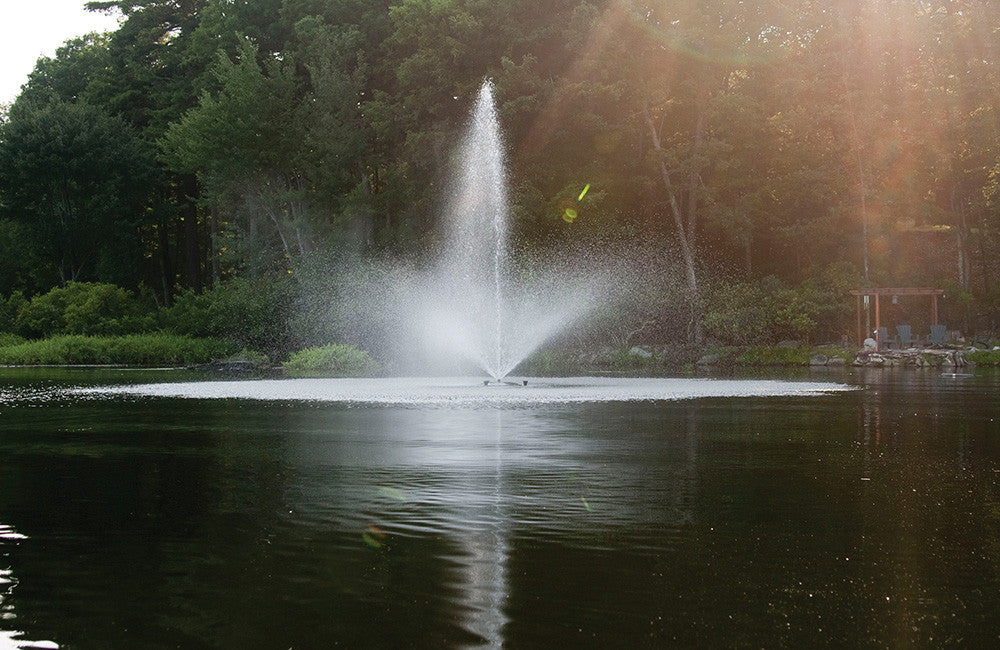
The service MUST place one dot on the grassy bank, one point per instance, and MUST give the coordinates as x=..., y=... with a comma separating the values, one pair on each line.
x=131, y=350
x=773, y=356
x=983, y=357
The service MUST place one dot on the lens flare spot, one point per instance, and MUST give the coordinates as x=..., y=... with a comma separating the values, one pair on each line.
x=569, y=215
x=374, y=537
x=586, y=189
x=391, y=493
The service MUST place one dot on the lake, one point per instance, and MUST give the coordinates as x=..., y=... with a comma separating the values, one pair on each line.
x=168, y=509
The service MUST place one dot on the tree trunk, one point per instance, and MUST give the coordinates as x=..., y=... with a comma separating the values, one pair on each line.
x=694, y=178
x=962, y=236
x=166, y=268
x=192, y=253
x=213, y=225
x=747, y=252
x=857, y=147
x=683, y=236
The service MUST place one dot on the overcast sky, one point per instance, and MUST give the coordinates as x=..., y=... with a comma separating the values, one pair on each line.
x=33, y=28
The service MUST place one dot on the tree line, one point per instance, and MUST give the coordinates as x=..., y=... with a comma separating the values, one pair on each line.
x=776, y=145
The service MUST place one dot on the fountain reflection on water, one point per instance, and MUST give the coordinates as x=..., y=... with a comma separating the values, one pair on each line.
x=12, y=639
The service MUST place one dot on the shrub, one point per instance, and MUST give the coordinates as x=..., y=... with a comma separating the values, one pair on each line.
x=166, y=349
x=9, y=310
x=7, y=339
x=739, y=314
x=983, y=357
x=136, y=350
x=83, y=308
x=331, y=361
x=550, y=362
x=765, y=356
x=247, y=355
x=764, y=311
x=253, y=314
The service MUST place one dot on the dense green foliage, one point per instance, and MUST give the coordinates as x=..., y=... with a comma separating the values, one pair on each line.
x=134, y=350
x=77, y=180
x=253, y=314
x=83, y=308
x=7, y=339
x=331, y=361
x=789, y=152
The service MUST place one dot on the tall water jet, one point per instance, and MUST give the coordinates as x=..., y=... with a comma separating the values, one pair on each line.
x=473, y=303
x=477, y=249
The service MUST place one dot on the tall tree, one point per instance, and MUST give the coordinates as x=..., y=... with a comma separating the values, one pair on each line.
x=77, y=178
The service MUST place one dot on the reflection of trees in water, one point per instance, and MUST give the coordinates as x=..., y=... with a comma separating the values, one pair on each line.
x=927, y=503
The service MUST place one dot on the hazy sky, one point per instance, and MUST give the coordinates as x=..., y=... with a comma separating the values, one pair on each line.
x=33, y=28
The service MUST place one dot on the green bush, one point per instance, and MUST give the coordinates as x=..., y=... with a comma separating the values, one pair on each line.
x=134, y=350
x=9, y=309
x=760, y=312
x=246, y=355
x=551, y=363
x=83, y=308
x=7, y=339
x=766, y=311
x=255, y=314
x=766, y=356
x=331, y=361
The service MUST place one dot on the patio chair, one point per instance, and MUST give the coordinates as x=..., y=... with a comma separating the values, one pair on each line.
x=882, y=338
x=938, y=335
x=904, y=336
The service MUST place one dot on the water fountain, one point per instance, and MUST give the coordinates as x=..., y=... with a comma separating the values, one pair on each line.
x=473, y=302
x=433, y=473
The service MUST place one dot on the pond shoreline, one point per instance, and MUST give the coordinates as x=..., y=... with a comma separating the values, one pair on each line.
x=637, y=360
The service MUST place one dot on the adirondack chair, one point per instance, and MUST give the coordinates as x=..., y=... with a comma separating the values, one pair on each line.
x=882, y=338
x=938, y=335
x=904, y=337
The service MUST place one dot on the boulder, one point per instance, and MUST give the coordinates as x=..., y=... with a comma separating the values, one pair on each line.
x=819, y=360
x=708, y=360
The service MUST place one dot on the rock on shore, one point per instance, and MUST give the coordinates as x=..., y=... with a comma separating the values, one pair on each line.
x=912, y=358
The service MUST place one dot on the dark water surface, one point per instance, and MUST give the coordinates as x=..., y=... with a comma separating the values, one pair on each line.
x=866, y=518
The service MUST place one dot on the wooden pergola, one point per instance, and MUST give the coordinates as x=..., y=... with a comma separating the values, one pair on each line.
x=895, y=291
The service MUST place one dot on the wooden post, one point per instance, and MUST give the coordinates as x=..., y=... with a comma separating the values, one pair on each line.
x=878, y=324
x=861, y=339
